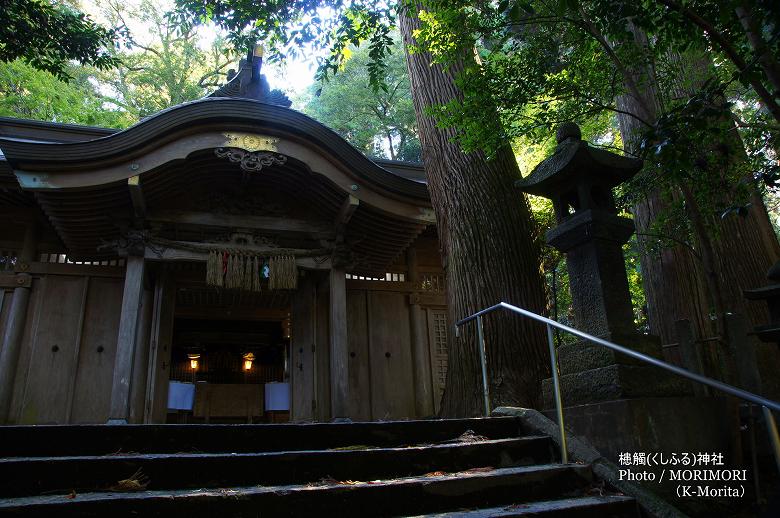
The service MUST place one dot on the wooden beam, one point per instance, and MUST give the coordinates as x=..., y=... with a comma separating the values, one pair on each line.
x=232, y=313
x=127, y=341
x=339, y=346
x=160, y=253
x=221, y=337
x=345, y=212
x=402, y=287
x=11, y=280
x=320, y=230
x=137, y=196
x=76, y=269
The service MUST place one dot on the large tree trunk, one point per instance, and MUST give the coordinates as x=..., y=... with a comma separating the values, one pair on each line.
x=672, y=278
x=678, y=284
x=488, y=248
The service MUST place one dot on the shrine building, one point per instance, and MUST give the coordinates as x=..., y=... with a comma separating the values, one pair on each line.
x=226, y=260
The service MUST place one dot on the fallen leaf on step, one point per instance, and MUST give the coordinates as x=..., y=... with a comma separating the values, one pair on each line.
x=435, y=474
x=596, y=489
x=479, y=470
x=467, y=436
x=71, y=495
x=137, y=482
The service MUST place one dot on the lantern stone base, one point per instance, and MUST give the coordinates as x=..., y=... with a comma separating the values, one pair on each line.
x=661, y=426
x=592, y=373
x=584, y=355
x=614, y=382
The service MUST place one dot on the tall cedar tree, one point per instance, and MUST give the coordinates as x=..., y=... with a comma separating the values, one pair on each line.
x=488, y=249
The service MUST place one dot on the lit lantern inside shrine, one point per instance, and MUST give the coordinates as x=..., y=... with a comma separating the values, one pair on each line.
x=194, y=361
x=248, y=359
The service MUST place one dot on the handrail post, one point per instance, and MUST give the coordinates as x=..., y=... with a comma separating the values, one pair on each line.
x=774, y=437
x=483, y=363
x=557, y=393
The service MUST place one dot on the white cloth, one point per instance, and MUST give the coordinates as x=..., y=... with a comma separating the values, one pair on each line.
x=181, y=396
x=277, y=396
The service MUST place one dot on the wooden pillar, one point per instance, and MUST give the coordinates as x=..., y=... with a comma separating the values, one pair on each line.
x=339, y=348
x=14, y=330
x=423, y=388
x=127, y=340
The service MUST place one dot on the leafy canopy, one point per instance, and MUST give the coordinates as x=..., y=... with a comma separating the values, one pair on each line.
x=48, y=34
x=381, y=123
x=288, y=28
x=165, y=67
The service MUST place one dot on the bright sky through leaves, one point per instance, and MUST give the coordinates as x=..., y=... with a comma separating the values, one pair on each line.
x=293, y=77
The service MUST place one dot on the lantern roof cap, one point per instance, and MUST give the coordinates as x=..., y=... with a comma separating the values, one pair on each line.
x=575, y=160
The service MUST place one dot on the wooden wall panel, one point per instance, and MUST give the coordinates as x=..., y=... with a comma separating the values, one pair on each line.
x=302, y=360
x=160, y=350
x=48, y=382
x=322, y=351
x=392, y=384
x=22, y=367
x=5, y=304
x=359, y=357
x=92, y=390
x=141, y=358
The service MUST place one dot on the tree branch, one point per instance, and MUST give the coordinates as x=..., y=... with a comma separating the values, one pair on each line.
x=730, y=51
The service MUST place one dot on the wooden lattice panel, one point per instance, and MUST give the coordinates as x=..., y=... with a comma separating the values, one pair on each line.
x=438, y=344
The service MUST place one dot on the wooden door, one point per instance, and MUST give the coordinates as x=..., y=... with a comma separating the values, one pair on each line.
x=303, y=366
x=392, y=384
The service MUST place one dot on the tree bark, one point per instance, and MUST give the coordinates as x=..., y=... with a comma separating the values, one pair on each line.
x=680, y=285
x=672, y=278
x=488, y=250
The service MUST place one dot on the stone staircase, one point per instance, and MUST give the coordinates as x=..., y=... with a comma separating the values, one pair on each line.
x=462, y=467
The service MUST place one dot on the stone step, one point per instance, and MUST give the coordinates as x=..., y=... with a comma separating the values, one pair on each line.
x=611, y=506
x=26, y=476
x=59, y=440
x=406, y=496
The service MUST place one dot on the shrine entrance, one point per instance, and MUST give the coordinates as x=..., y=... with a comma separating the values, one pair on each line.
x=217, y=355
x=193, y=201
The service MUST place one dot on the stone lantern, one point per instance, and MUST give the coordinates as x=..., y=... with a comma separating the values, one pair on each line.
x=579, y=180
x=620, y=404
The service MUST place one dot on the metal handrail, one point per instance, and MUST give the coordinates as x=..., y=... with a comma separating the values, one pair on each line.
x=766, y=404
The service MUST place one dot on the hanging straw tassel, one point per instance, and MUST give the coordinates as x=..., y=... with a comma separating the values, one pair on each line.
x=219, y=268
x=256, y=274
x=284, y=273
x=212, y=267
x=238, y=271
x=230, y=277
x=229, y=271
x=248, y=269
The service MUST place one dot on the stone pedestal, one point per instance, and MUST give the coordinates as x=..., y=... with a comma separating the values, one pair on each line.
x=661, y=425
x=591, y=373
x=592, y=241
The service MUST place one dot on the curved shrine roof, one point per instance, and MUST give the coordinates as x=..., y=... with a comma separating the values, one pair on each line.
x=80, y=174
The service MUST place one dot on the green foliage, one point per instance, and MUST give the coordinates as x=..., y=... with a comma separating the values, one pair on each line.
x=289, y=28
x=379, y=122
x=48, y=34
x=166, y=67
x=29, y=93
